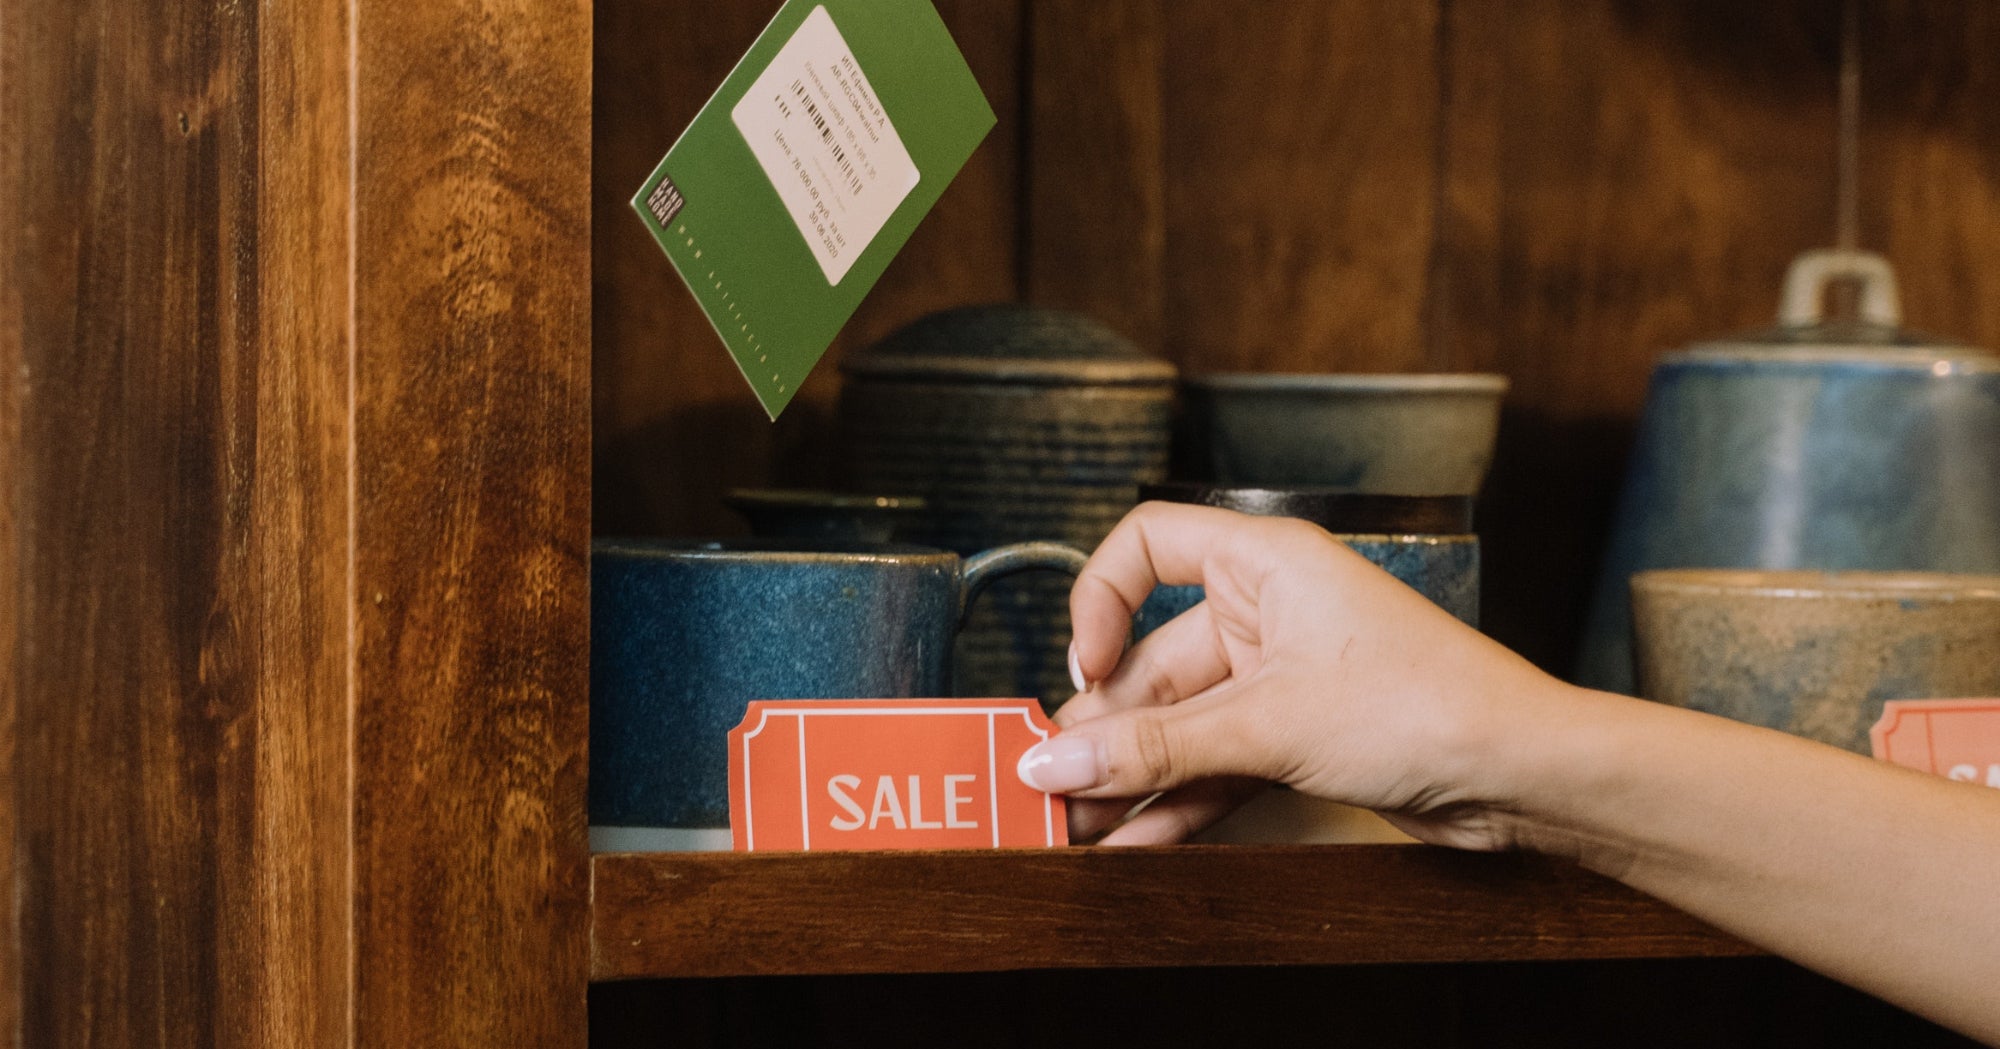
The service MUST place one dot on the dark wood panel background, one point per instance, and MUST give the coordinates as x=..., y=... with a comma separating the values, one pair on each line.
x=1555, y=191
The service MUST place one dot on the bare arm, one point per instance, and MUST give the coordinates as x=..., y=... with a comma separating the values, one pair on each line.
x=1880, y=877
x=1307, y=665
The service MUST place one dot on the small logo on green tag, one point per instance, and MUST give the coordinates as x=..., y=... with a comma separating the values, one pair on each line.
x=665, y=200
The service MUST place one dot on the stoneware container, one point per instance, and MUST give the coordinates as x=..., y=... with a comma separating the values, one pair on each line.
x=1389, y=434
x=1013, y=424
x=1814, y=653
x=1425, y=541
x=1814, y=446
x=684, y=634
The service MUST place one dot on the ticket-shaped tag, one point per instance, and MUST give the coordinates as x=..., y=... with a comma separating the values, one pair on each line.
x=1955, y=738
x=807, y=171
x=889, y=774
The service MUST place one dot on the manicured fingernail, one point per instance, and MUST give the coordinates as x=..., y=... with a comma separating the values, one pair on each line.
x=1062, y=764
x=1076, y=670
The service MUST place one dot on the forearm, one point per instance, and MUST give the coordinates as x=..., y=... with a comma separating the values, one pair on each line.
x=1880, y=877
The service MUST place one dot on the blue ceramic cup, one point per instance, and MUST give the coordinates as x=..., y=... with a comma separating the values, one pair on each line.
x=684, y=634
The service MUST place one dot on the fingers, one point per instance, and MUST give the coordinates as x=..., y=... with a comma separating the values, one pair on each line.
x=1177, y=816
x=1133, y=753
x=1178, y=661
x=1090, y=817
x=1156, y=543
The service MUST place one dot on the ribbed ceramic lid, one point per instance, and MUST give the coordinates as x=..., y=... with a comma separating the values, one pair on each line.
x=1010, y=344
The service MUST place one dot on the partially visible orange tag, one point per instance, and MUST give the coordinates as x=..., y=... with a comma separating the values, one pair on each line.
x=1954, y=738
x=889, y=774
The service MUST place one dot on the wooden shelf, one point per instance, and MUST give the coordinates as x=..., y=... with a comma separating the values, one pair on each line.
x=727, y=914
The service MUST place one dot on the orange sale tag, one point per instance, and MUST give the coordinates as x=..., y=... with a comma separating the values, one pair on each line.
x=1955, y=738
x=889, y=774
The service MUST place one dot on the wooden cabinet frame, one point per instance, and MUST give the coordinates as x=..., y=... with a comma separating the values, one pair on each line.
x=294, y=376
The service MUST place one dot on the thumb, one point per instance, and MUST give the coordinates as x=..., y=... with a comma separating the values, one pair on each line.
x=1133, y=753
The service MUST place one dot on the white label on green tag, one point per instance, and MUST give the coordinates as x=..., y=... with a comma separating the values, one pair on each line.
x=825, y=142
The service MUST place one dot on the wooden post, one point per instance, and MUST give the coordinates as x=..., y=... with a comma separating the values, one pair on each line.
x=293, y=541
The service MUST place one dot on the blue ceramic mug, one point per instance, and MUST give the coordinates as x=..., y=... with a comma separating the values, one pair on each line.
x=684, y=634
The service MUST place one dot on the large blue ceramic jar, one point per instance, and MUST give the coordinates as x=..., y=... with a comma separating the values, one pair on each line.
x=1816, y=445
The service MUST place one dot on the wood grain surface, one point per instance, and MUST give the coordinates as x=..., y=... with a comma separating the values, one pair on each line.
x=471, y=522
x=1302, y=176
x=177, y=379
x=1094, y=228
x=1620, y=180
x=295, y=523
x=727, y=914
x=1930, y=159
x=15, y=264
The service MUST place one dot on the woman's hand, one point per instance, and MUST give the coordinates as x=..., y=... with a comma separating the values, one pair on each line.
x=1305, y=665
x=1309, y=666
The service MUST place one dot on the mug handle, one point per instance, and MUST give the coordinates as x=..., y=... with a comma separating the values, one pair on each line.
x=981, y=570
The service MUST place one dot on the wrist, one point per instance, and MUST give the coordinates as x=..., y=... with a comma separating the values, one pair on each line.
x=1564, y=755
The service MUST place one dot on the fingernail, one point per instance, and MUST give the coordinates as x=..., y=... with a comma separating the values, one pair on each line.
x=1062, y=764
x=1076, y=670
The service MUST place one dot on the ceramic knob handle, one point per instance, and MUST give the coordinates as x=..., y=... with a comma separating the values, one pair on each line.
x=1806, y=283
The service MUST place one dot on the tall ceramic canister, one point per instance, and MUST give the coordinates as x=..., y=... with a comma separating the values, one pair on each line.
x=1014, y=424
x=1816, y=445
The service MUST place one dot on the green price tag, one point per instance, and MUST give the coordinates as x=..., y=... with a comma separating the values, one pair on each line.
x=807, y=171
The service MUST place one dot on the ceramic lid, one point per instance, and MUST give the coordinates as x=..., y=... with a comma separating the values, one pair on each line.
x=1805, y=334
x=1010, y=344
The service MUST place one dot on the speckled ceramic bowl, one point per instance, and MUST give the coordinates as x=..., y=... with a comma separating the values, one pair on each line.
x=1814, y=653
x=1392, y=434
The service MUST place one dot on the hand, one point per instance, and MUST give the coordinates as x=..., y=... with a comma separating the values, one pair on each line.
x=1305, y=665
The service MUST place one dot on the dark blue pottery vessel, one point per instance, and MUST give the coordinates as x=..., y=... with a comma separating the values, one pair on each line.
x=1815, y=446
x=684, y=634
